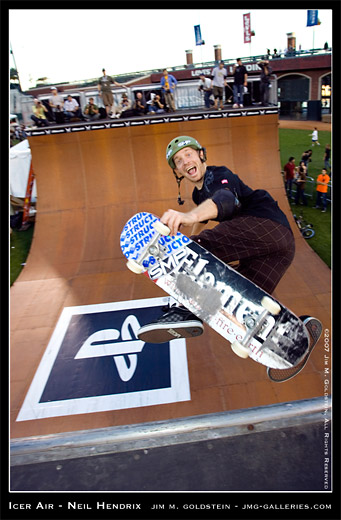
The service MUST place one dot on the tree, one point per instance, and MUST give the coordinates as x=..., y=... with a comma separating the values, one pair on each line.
x=13, y=74
x=14, y=79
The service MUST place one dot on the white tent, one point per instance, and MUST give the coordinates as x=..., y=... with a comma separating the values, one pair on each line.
x=20, y=161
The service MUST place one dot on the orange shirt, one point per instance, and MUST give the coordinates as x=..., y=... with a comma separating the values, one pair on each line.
x=321, y=187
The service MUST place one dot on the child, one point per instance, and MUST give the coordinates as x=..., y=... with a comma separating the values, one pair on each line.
x=314, y=138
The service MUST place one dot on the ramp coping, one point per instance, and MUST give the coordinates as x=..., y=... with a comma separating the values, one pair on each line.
x=118, y=439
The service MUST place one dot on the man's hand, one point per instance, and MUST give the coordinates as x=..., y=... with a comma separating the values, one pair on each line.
x=207, y=210
x=175, y=219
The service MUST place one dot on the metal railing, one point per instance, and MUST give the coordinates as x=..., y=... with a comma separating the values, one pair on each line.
x=130, y=76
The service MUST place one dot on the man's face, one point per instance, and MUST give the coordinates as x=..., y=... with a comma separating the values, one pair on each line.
x=188, y=163
x=165, y=72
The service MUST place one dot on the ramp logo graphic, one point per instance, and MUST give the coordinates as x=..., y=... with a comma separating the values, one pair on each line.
x=94, y=363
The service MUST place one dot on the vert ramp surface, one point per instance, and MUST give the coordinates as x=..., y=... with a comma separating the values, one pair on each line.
x=90, y=181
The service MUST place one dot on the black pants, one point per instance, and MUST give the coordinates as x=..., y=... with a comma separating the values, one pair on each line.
x=264, y=93
x=59, y=117
x=263, y=248
x=39, y=121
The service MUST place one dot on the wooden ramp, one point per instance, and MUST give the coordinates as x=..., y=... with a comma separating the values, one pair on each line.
x=89, y=182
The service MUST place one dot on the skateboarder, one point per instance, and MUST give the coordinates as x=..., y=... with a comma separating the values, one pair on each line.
x=251, y=227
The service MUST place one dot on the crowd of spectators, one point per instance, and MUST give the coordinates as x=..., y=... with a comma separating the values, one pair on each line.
x=57, y=110
x=17, y=133
x=298, y=176
x=159, y=100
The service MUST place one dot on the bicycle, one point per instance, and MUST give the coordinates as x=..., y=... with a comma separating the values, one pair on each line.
x=305, y=228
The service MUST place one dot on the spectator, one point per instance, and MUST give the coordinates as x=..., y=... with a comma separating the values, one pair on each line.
x=168, y=84
x=265, y=81
x=314, y=137
x=23, y=134
x=12, y=136
x=17, y=132
x=289, y=175
x=72, y=109
x=156, y=107
x=104, y=90
x=124, y=106
x=139, y=108
x=326, y=157
x=91, y=111
x=56, y=103
x=205, y=86
x=300, y=184
x=240, y=81
x=219, y=82
x=39, y=113
x=322, y=190
x=306, y=158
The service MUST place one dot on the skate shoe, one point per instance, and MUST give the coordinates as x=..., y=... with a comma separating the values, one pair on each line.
x=314, y=327
x=174, y=323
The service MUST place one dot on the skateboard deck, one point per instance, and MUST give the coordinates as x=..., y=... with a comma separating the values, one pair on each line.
x=216, y=293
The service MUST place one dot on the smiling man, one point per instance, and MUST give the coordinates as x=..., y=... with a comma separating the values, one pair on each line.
x=251, y=229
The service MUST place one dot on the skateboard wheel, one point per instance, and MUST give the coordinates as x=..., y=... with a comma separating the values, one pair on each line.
x=135, y=267
x=240, y=349
x=161, y=228
x=270, y=305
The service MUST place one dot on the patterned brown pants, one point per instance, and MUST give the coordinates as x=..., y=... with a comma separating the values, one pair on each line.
x=264, y=248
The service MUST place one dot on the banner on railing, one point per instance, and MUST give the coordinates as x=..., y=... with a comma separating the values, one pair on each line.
x=312, y=17
x=247, y=27
x=198, y=38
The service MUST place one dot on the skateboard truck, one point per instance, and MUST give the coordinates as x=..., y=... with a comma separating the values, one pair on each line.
x=241, y=348
x=153, y=248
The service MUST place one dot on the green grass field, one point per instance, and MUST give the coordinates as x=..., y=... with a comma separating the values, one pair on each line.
x=292, y=143
x=20, y=243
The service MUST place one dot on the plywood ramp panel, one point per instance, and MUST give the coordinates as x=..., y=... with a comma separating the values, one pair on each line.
x=89, y=184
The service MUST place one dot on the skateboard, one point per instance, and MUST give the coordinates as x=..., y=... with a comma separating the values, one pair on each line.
x=256, y=325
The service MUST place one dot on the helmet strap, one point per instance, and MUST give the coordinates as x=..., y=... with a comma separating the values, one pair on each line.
x=178, y=181
x=204, y=157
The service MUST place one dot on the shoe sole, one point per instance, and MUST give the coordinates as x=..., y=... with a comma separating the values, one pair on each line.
x=314, y=328
x=162, y=334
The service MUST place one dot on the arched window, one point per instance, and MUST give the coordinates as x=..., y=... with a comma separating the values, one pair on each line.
x=293, y=87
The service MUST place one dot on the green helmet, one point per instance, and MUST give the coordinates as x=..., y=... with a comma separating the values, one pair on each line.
x=180, y=142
